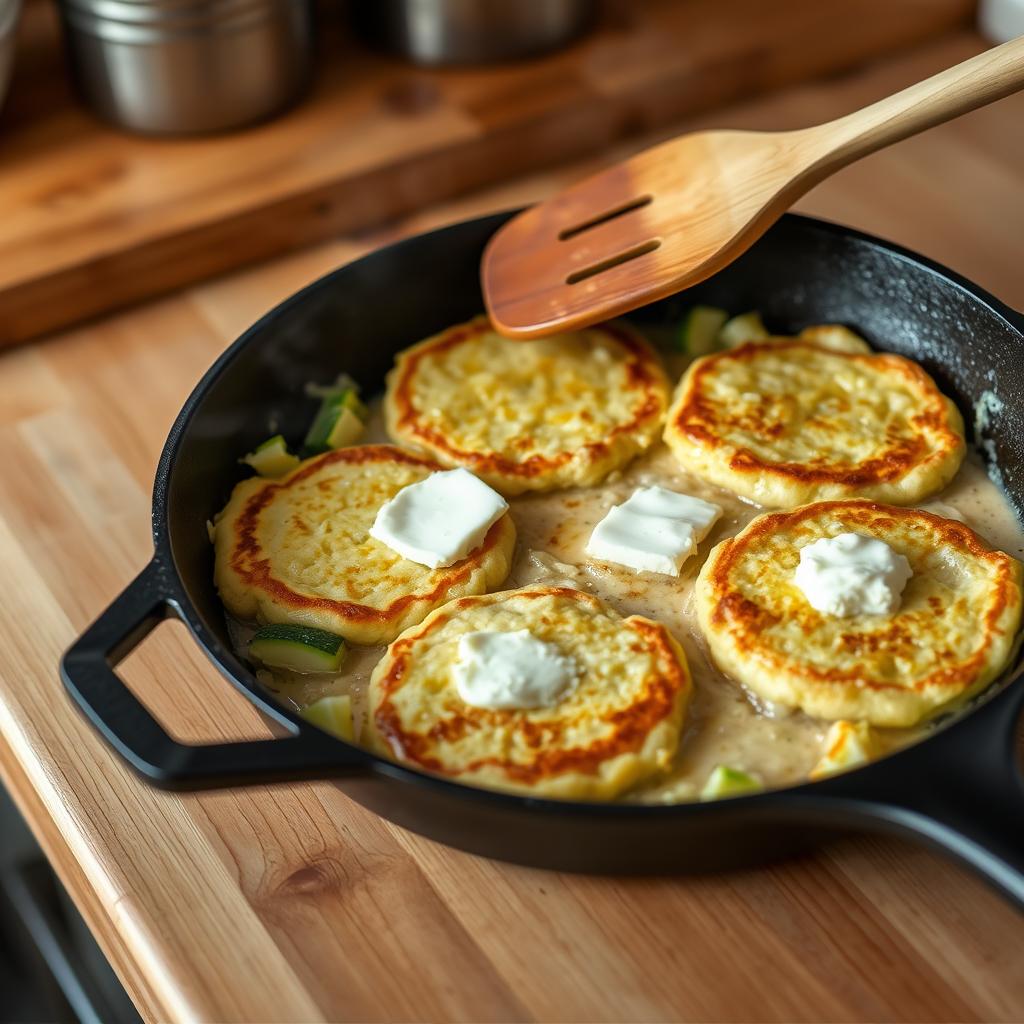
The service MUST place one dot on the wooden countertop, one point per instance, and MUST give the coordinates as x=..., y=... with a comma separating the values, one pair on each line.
x=292, y=903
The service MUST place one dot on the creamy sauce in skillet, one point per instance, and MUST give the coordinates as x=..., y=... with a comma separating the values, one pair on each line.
x=725, y=724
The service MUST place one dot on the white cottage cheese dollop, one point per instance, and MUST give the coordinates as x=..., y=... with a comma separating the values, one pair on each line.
x=504, y=671
x=850, y=575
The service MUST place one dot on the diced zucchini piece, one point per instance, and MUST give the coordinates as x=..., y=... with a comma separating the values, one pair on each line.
x=836, y=336
x=339, y=421
x=333, y=715
x=297, y=648
x=700, y=330
x=745, y=327
x=725, y=781
x=847, y=745
x=272, y=458
x=347, y=428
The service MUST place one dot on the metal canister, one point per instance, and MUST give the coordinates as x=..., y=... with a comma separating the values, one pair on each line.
x=188, y=66
x=467, y=31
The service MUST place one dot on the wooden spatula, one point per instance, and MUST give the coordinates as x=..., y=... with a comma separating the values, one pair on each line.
x=675, y=214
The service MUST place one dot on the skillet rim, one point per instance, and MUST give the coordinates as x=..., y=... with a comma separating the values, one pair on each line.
x=352, y=758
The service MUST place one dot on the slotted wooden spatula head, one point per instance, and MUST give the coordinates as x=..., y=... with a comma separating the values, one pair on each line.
x=653, y=225
x=675, y=214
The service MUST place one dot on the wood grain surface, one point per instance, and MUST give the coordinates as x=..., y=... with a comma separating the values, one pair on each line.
x=95, y=219
x=293, y=904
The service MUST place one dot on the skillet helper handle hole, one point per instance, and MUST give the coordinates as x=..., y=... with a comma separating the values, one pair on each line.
x=88, y=673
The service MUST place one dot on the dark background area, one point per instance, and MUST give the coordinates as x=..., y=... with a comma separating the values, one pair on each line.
x=51, y=969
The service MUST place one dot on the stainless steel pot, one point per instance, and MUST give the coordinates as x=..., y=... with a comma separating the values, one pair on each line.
x=186, y=66
x=463, y=31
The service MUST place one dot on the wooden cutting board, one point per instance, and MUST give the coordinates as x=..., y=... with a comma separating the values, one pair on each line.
x=94, y=219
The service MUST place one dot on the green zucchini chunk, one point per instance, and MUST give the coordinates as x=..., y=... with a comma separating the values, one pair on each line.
x=338, y=422
x=699, y=333
x=332, y=714
x=725, y=781
x=272, y=458
x=745, y=327
x=297, y=648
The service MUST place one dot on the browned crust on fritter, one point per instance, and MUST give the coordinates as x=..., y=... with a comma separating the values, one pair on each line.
x=630, y=726
x=744, y=619
x=255, y=571
x=644, y=374
x=702, y=423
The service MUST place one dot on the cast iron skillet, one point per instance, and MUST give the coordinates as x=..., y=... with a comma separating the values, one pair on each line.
x=960, y=789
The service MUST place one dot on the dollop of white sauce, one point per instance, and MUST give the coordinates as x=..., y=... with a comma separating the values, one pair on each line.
x=852, y=575
x=505, y=671
x=654, y=530
x=440, y=519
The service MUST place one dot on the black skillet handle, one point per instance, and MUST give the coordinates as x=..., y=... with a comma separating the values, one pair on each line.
x=87, y=670
x=962, y=791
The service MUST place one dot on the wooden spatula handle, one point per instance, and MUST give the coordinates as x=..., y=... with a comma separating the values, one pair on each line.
x=987, y=77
